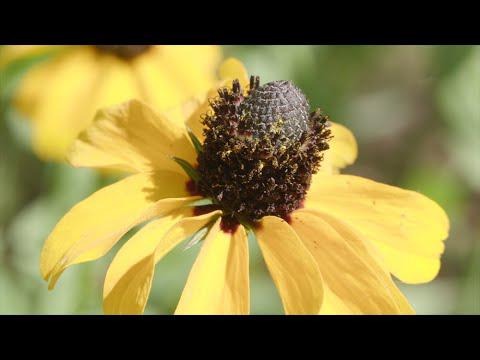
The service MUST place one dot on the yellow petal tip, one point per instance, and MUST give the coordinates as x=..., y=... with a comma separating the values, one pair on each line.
x=233, y=68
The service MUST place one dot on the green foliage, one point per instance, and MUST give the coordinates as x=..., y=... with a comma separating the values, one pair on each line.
x=188, y=168
x=196, y=143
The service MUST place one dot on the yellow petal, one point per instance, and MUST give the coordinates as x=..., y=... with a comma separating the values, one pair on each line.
x=354, y=282
x=407, y=228
x=183, y=229
x=164, y=76
x=158, y=85
x=343, y=150
x=132, y=137
x=218, y=282
x=32, y=84
x=31, y=87
x=73, y=85
x=233, y=69
x=181, y=114
x=94, y=225
x=197, y=108
x=193, y=110
x=10, y=53
x=171, y=74
x=130, y=294
x=129, y=277
x=68, y=83
x=116, y=83
x=293, y=269
x=190, y=68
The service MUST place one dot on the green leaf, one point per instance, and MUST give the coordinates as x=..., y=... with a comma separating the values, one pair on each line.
x=187, y=168
x=196, y=143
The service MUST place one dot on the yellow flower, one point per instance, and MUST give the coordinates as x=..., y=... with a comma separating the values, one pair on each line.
x=60, y=95
x=333, y=253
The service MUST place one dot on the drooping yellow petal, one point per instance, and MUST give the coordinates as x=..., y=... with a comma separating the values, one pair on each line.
x=183, y=229
x=218, y=282
x=94, y=225
x=129, y=277
x=132, y=137
x=132, y=289
x=343, y=150
x=407, y=228
x=67, y=89
x=292, y=267
x=354, y=282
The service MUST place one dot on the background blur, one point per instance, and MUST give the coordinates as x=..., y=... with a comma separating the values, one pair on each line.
x=415, y=111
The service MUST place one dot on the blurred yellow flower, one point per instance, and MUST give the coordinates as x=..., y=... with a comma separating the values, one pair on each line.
x=60, y=95
x=334, y=253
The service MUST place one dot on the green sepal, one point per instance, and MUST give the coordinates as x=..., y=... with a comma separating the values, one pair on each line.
x=191, y=172
x=196, y=143
x=201, y=202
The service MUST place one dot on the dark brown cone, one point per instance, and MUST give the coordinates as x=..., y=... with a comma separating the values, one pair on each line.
x=261, y=150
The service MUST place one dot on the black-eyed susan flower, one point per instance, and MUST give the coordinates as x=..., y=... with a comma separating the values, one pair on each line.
x=263, y=167
x=61, y=94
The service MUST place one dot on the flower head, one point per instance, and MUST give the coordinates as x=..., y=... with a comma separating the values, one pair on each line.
x=62, y=93
x=261, y=166
x=260, y=150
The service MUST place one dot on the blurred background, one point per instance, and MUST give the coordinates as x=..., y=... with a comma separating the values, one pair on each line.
x=415, y=111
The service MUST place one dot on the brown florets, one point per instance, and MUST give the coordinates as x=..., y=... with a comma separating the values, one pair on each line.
x=126, y=52
x=260, y=150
